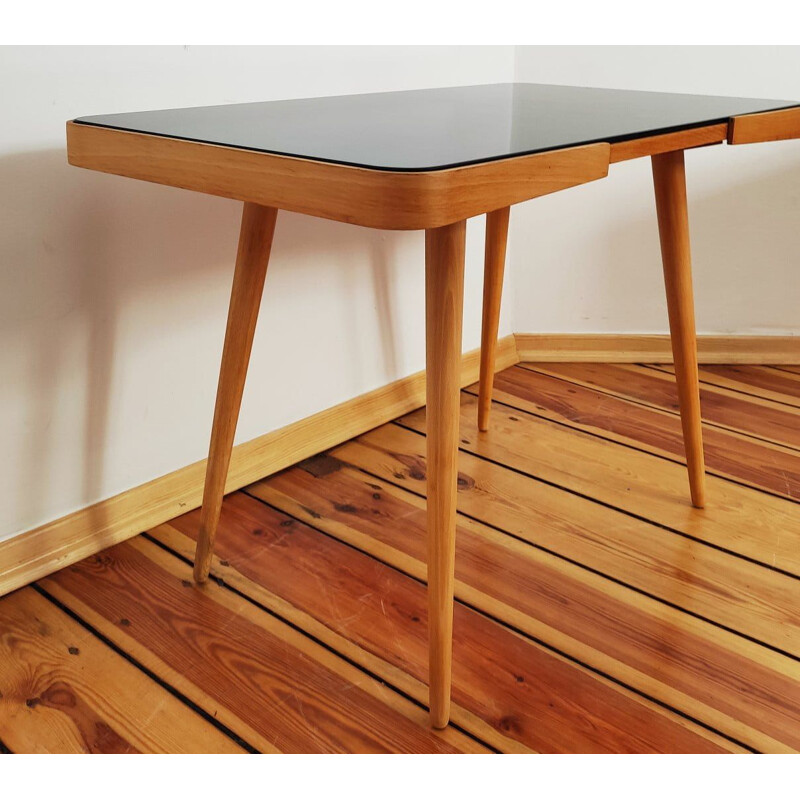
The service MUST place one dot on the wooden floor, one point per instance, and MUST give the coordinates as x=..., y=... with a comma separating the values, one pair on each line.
x=597, y=611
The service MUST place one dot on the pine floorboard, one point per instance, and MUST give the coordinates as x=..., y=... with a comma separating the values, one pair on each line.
x=596, y=610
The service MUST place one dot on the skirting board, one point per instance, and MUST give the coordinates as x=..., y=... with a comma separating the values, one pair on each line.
x=631, y=348
x=64, y=541
x=57, y=544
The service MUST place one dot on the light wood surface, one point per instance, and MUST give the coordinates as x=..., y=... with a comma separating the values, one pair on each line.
x=761, y=382
x=755, y=525
x=727, y=407
x=62, y=690
x=644, y=640
x=369, y=197
x=623, y=403
x=444, y=300
x=381, y=650
x=373, y=609
x=681, y=634
x=64, y=541
x=265, y=681
x=673, y=226
x=655, y=348
x=255, y=242
x=493, y=269
x=666, y=142
x=642, y=554
x=657, y=648
x=769, y=126
x=721, y=587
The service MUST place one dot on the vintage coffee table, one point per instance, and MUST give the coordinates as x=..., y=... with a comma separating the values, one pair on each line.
x=427, y=160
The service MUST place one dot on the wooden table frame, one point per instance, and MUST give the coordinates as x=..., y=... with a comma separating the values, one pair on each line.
x=438, y=202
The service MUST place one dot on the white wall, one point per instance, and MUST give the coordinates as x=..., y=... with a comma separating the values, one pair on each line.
x=113, y=292
x=588, y=260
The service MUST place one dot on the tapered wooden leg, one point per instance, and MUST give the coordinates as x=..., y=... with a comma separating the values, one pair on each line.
x=255, y=240
x=673, y=224
x=444, y=299
x=493, y=268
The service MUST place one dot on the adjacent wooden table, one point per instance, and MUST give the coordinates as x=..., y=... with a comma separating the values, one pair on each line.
x=427, y=160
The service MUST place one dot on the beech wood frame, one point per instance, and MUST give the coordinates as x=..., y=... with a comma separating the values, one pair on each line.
x=439, y=202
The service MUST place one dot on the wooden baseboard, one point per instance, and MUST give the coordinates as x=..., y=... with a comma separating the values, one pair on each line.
x=630, y=348
x=57, y=544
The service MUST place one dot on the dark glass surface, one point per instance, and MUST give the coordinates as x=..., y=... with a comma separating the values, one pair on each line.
x=438, y=128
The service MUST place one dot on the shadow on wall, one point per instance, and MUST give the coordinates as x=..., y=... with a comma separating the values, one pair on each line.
x=745, y=238
x=78, y=251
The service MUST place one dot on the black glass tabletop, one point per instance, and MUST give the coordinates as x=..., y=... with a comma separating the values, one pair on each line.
x=432, y=129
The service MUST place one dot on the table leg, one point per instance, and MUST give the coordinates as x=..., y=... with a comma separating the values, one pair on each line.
x=444, y=300
x=493, y=268
x=669, y=179
x=255, y=241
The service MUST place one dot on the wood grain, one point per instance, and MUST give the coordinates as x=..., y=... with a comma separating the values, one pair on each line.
x=63, y=691
x=721, y=407
x=668, y=654
x=525, y=692
x=669, y=180
x=369, y=197
x=536, y=389
x=767, y=383
x=389, y=673
x=666, y=142
x=54, y=545
x=720, y=587
x=768, y=126
x=632, y=635
x=741, y=520
x=266, y=681
x=444, y=305
x=493, y=269
x=252, y=258
x=655, y=348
